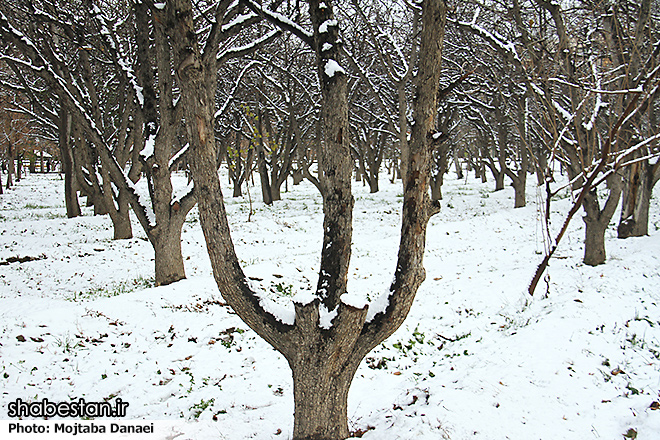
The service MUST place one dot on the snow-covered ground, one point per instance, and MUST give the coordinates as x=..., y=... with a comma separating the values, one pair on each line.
x=477, y=357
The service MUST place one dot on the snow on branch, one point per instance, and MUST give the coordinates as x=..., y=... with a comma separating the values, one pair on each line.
x=233, y=91
x=238, y=21
x=238, y=51
x=117, y=56
x=497, y=41
x=600, y=91
x=564, y=113
x=178, y=155
x=282, y=21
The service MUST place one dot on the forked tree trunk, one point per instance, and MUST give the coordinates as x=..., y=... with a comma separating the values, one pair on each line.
x=596, y=221
x=323, y=362
x=275, y=192
x=322, y=377
x=237, y=192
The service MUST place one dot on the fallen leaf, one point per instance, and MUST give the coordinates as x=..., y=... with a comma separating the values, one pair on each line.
x=631, y=433
x=20, y=338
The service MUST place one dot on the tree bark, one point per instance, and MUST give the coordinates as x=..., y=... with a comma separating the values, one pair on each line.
x=19, y=166
x=519, y=191
x=70, y=185
x=594, y=242
x=121, y=224
x=168, y=259
x=597, y=220
x=266, y=192
x=10, y=165
x=638, y=187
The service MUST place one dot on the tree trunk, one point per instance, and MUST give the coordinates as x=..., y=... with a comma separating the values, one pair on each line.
x=320, y=392
x=373, y=183
x=638, y=187
x=297, y=176
x=168, y=259
x=121, y=222
x=323, y=362
x=457, y=164
x=70, y=192
x=519, y=193
x=275, y=192
x=499, y=179
x=19, y=167
x=237, y=189
x=70, y=187
x=594, y=242
x=263, y=174
x=436, y=188
x=597, y=221
x=10, y=165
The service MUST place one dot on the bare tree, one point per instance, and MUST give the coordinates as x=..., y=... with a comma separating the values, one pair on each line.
x=112, y=74
x=323, y=361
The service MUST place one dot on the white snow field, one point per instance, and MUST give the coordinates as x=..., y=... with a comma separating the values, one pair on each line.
x=477, y=357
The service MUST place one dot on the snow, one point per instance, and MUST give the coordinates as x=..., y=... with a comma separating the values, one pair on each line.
x=379, y=305
x=280, y=18
x=303, y=297
x=332, y=67
x=326, y=317
x=477, y=358
x=326, y=47
x=285, y=315
x=354, y=300
x=323, y=27
x=143, y=200
x=178, y=154
x=562, y=111
x=149, y=145
x=180, y=193
x=238, y=21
